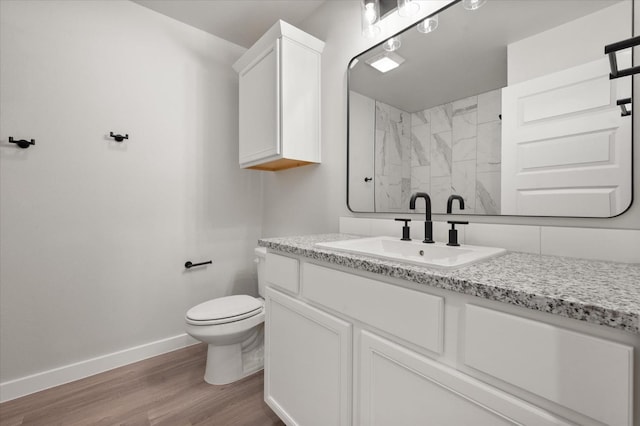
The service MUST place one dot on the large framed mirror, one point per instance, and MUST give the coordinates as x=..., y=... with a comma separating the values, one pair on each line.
x=510, y=106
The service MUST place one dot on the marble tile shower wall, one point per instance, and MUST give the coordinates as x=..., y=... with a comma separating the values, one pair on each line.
x=392, y=159
x=453, y=148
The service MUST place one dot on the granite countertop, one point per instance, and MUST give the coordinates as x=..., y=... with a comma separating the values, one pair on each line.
x=599, y=292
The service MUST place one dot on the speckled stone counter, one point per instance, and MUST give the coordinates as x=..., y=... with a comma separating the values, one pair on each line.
x=604, y=293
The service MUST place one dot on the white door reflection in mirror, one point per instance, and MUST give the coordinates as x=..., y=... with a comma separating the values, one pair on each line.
x=566, y=145
x=361, y=133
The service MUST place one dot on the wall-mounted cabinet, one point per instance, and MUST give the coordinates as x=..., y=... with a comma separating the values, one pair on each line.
x=279, y=104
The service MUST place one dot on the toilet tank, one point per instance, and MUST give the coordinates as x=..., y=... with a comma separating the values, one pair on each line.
x=261, y=258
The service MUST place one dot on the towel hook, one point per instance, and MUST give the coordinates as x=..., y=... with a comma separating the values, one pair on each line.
x=119, y=138
x=22, y=143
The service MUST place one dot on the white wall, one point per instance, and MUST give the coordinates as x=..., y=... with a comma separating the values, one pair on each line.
x=310, y=199
x=562, y=49
x=95, y=233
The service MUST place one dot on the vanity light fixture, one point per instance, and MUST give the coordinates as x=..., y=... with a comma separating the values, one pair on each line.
x=374, y=10
x=428, y=25
x=392, y=44
x=385, y=61
x=370, y=18
x=473, y=4
x=407, y=8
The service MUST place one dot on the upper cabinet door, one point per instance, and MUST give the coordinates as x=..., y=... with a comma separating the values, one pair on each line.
x=279, y=111
x=565, y=145
x=259, y=107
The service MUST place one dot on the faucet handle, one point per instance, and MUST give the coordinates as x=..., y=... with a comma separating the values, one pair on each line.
x=405, y=229
x=453, y=232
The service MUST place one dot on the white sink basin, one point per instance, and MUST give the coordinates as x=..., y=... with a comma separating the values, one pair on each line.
x=437, y=255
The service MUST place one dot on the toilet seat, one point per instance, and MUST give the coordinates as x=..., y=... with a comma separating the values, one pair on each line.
x=224, y=310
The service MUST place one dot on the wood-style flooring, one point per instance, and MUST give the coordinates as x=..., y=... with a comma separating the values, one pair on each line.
x=165, y=390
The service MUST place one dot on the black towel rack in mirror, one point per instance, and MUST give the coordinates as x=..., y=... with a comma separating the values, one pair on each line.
x=622, y=104
x=611, y=50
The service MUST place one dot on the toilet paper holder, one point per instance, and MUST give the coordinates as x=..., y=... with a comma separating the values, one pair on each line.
x=190, y=264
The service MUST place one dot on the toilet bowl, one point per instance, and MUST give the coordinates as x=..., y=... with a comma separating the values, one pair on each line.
x=233, y=327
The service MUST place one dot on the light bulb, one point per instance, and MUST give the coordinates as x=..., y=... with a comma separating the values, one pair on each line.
x=407, y=8
x=428, y=25
x=370, y=13
x=370, y=16
x=473, y=4
x=392, y=44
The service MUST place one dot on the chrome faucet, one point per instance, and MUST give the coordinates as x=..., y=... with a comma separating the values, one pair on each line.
x=428, y=225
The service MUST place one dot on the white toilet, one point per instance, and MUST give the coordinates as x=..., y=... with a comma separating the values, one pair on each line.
x=233, y=326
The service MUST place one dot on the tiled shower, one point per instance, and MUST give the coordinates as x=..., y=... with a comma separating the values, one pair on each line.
x=446, y=149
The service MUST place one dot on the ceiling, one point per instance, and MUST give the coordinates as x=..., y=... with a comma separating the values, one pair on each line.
x=239, y=21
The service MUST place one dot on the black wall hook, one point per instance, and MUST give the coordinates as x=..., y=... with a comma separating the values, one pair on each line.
x=119, y=138
x=22, y=143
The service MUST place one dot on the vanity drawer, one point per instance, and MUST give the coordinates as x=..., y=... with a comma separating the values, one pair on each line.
x=589, y=375
x=283, y=272
x=408, y=314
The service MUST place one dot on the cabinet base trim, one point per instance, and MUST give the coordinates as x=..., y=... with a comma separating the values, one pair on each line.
x=281, y=164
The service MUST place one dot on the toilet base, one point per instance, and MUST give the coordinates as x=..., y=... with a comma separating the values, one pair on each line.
x=229, y=363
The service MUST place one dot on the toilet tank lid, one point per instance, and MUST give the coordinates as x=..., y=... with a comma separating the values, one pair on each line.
x=260, y=251
x=224, y=307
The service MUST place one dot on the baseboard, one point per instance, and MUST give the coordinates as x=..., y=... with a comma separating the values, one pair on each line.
x=58, y=376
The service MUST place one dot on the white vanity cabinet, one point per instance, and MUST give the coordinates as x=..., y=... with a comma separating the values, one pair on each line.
x=347, y=347
x=279, y=103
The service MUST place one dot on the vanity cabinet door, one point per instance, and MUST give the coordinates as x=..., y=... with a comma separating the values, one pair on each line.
x=589, y=375
x=307, y=363
x=401, y=387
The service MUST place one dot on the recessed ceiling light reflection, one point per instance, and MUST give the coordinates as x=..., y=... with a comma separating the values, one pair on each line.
x=392, y=44
x=386, y=61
